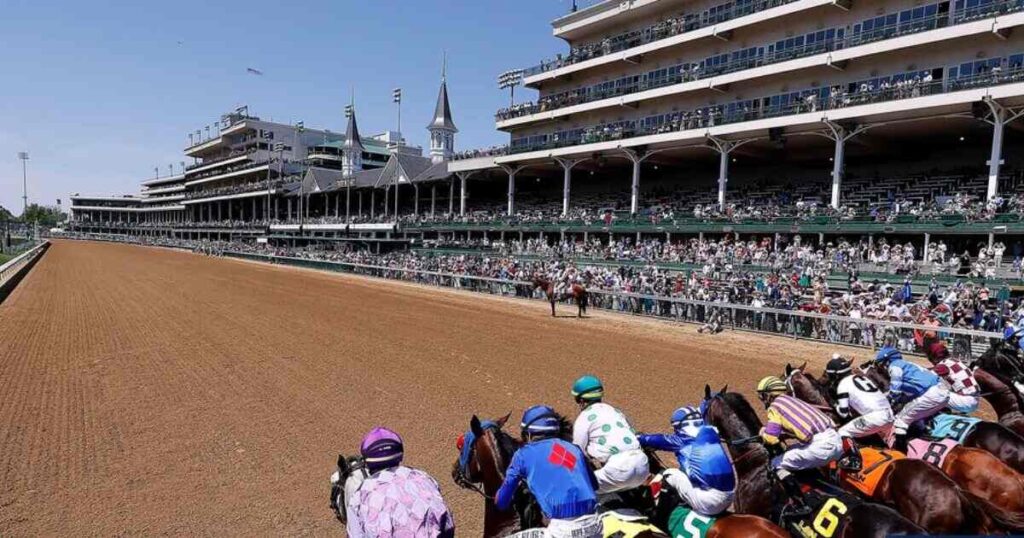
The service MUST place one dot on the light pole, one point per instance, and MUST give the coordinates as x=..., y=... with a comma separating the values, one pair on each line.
x=511, y=79
x=23, y=155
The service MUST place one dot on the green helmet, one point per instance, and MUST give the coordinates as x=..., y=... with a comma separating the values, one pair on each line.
x=588, y=388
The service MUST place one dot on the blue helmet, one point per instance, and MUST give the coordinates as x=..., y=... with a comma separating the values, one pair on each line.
x=687, y=421
x=887, y=354
x=540, y=420
x=1011, y=332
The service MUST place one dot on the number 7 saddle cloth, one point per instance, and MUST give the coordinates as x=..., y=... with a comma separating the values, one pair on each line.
x=876, y=464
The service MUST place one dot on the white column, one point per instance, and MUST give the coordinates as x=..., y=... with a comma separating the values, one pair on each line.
x=566, y=186
x=433, y=198
x=634, y=201
x=511, y=192
x=837, y=168
x=416, y=201
x=462, y=196
x=723, y=178
x=996, y=158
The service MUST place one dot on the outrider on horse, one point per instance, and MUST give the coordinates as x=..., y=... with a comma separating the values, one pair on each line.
x=575, y=292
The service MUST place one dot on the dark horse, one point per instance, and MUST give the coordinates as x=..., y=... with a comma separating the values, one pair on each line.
x=953, y=499
x=576, y=292
x=757, y=493
x=991, y=437
x=996, y=371
x=489, y=455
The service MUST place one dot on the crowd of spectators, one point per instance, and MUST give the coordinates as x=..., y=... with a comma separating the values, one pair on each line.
x=228, y=190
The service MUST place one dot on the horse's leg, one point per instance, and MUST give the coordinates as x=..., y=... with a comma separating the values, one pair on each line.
x=552, y=307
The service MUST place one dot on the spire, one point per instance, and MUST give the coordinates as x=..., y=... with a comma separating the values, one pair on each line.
x=352, y=138
x=443, y=110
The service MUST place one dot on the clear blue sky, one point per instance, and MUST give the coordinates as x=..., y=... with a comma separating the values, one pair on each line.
x=99, y=92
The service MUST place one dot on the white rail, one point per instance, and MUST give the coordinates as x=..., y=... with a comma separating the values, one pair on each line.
x=10, y=271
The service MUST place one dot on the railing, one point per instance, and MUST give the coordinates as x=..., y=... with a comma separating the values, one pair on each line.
x=656, y=32
x=791, y=323
x=749, y=111
x=13, y=271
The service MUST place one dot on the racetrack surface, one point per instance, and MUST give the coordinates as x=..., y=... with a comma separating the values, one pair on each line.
x=148, y=391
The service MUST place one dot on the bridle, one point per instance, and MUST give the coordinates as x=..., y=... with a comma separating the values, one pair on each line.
x=461, y=474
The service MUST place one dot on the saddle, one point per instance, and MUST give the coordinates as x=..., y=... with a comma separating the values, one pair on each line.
x=828, y=505
x=875, y=464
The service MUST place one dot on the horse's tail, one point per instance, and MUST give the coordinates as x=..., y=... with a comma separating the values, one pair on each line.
x=981, y=511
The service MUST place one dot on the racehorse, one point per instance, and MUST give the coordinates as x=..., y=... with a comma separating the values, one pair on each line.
x=991, y=437
x=756, y=492
x=575, y=292
x=481, y=467
x=974, y=471
x=1003, y=399
x=725, y=526
x=485, y=454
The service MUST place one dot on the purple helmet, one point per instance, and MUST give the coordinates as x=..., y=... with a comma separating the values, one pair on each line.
x=381, y=449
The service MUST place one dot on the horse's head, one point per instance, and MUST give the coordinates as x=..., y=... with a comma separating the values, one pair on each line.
x=876, y=373
x=804, y=386
x=350, y=468
x=730, y=412
x=485, y=452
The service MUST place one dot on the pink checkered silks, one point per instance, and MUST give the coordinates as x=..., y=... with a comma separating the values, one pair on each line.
x=399, y=502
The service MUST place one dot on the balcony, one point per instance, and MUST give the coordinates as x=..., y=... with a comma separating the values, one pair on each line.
x=656, y=32
x=819, y=42
x=892, y=88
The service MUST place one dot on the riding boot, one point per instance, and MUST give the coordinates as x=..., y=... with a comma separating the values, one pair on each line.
x=900, y=443
x=798, y=508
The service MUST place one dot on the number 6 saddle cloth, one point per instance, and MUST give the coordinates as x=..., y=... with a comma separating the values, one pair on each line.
x=875, y=464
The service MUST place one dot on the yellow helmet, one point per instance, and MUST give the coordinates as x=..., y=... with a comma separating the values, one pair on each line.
x=771, y=385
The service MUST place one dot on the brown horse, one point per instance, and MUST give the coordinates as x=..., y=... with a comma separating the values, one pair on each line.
x=985, y=478
x=757, y=494
x=1003, y=399
x=576, y=292
x=992, y=437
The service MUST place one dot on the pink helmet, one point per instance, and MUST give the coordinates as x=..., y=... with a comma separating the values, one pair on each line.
x=381, y=449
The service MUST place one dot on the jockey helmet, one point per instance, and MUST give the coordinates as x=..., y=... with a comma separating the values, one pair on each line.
x=540, y=420
x=687, y=421
x=381, y=449
x=771, y=385
x=837, y=367
x=887, y=354
x=1010, y=333
x=588, y=388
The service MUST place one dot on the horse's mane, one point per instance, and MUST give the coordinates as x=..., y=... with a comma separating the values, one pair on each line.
x=564, y=427
x=507, y=444
x=743, y=411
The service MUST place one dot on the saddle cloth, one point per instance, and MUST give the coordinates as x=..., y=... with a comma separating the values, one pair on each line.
x=946, y=426
x=931, y=451
x=875, y=464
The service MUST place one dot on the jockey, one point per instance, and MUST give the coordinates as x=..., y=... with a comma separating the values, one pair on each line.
x=923, y=391
x=818, y=441
x=964, y=394
x=1014, y=337
x=705, y=479
x=860, y=399
x=607, y=438
x=393, y=499
x=556, y=473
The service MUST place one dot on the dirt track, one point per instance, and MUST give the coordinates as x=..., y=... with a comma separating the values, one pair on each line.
x=145, y=391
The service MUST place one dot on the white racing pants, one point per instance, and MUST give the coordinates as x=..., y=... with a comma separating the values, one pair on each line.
x=963, y=404
x=706, y=502
x=823, y=448
x=927, y=405
x=877, y=422
x=622, y=471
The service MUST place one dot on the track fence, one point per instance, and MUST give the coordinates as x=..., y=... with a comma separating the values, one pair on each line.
x=14, y=270
x=797, y=324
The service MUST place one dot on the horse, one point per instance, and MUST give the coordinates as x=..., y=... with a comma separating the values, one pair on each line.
x=670, y=505
x=481, y=468
x=1003, y=399
x=756, y=491
x=991, y=437
x=1002, y=362
x=576, y=292
x=485, y=454
x=969, y=469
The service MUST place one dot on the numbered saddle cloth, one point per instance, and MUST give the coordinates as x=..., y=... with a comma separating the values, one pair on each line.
x=933, y=452
x=828, y=513
x=945, y=426
x=685, y=523
x=875, y=464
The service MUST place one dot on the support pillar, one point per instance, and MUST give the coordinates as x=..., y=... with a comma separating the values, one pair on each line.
x=451, y=197
x=462, y=194
x=373, y=203
x=433, y=199
x=927, y=241
x=724, y=149
x=999, y=118
x=567, y=166
x=635, y=156
x=839, y=134
x=416, y=199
